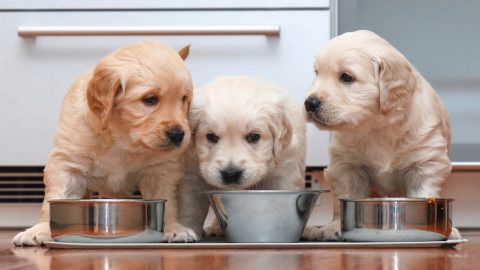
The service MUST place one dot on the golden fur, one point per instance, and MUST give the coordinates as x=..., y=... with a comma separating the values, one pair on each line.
x=391, y=133
x=110, y=139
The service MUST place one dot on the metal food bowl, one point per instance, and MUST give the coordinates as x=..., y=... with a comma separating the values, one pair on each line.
x=263, y=215
x=107, y=220
x=396, y=219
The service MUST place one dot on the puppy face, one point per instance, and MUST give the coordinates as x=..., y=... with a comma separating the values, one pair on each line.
x=359, y=77
x=239, y=130
x=141, y=95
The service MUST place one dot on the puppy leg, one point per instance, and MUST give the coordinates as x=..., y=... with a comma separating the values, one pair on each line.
x=60, y=183
x=426, y=182
x=347, y=182
x=214, y=229
x=192, y=203
x=162, y=182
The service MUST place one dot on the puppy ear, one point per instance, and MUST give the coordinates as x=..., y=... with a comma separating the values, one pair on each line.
x=195, y=113
x=397, y=82
x=101, y=92
x=282, y=132
x=183, y=52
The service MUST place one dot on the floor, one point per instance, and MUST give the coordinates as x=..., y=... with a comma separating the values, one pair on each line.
x=464, y=256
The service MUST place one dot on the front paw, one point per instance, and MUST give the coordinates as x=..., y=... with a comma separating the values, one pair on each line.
x=34, y=236
x=455, y=234
x=213, y=230
x=175, y=232
x=330, y=232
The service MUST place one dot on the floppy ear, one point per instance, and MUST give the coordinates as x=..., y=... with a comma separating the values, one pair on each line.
x=195, y=113
x=101, y=91
x=282, y=133
x=183, y=52
x=397, y=82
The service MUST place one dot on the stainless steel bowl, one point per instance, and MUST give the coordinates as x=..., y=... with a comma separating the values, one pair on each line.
x=263, y=215
x=396, y=219
x=107, y=220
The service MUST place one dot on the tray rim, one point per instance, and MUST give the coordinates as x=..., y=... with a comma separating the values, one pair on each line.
x=224, y=245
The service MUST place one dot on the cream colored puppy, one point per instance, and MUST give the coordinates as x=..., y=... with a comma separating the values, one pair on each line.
x=123, y=127
x=391, y=133
x=248, y=134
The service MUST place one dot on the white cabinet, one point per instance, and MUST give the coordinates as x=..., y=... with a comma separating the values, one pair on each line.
x=37, y=71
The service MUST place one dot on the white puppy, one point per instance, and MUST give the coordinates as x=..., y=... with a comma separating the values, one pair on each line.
x=391, y=133
x=248, y=134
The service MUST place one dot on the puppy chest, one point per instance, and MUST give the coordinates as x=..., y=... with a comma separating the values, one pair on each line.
x=112, y=183
x=383, y=171
x=113, y=176
x=386, y=183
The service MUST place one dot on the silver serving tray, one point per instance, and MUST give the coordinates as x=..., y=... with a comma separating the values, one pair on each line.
x=224, y=245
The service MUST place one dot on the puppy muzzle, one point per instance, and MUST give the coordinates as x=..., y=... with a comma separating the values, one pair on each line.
x=231, y=175
x=175, y=136
x=312, y=104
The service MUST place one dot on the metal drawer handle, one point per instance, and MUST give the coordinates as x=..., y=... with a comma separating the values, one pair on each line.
x=466, y=166
x=261, y=30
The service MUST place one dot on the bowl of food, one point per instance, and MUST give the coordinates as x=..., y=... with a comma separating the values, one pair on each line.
x=107, y=220
x=263, y=216
x=396, y=219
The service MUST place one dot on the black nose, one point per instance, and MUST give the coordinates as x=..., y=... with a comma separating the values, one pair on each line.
x=175, y=135
x=312, y=104
x=231, y=175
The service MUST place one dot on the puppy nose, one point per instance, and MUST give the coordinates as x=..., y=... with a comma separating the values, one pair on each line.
x=312, y=104
x=231, y=175
x=175, y=135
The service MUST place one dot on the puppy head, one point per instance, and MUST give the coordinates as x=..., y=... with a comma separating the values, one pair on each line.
x=240, y=131
x=140, y=95
x=359, y=77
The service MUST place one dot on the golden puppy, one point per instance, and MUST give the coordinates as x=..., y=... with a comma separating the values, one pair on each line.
x=123, y=126
x=391, y=133
x=249, y=134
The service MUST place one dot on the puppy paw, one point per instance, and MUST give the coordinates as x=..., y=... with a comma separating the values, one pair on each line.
x=455, y=234
x=214, y=230
x=34, y=236
x=310, y=233
x=176, y=232
x=330, y=232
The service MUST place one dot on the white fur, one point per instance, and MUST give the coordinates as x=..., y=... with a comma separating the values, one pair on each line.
x=232, y=107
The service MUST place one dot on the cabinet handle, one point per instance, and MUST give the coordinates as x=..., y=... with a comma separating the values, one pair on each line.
x=212, y=30
x=466, y=166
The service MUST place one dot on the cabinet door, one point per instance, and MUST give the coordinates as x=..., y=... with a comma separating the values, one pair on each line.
x=37, y=71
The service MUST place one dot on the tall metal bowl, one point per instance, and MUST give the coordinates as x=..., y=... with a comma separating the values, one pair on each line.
x=263, y=215
x=396, y=219
x=107, y=220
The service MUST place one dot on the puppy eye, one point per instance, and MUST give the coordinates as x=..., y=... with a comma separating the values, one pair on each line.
x=150, y=100
x=184, y=99
x=346, y=78
x=212, y=137
x=316, y=72
x=252, y=137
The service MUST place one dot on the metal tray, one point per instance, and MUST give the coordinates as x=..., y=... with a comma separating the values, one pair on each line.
x=224, y=245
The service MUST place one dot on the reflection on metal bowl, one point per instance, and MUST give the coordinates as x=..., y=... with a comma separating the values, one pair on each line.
x=396, y=219
x=107, y=220
x=263, y=215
